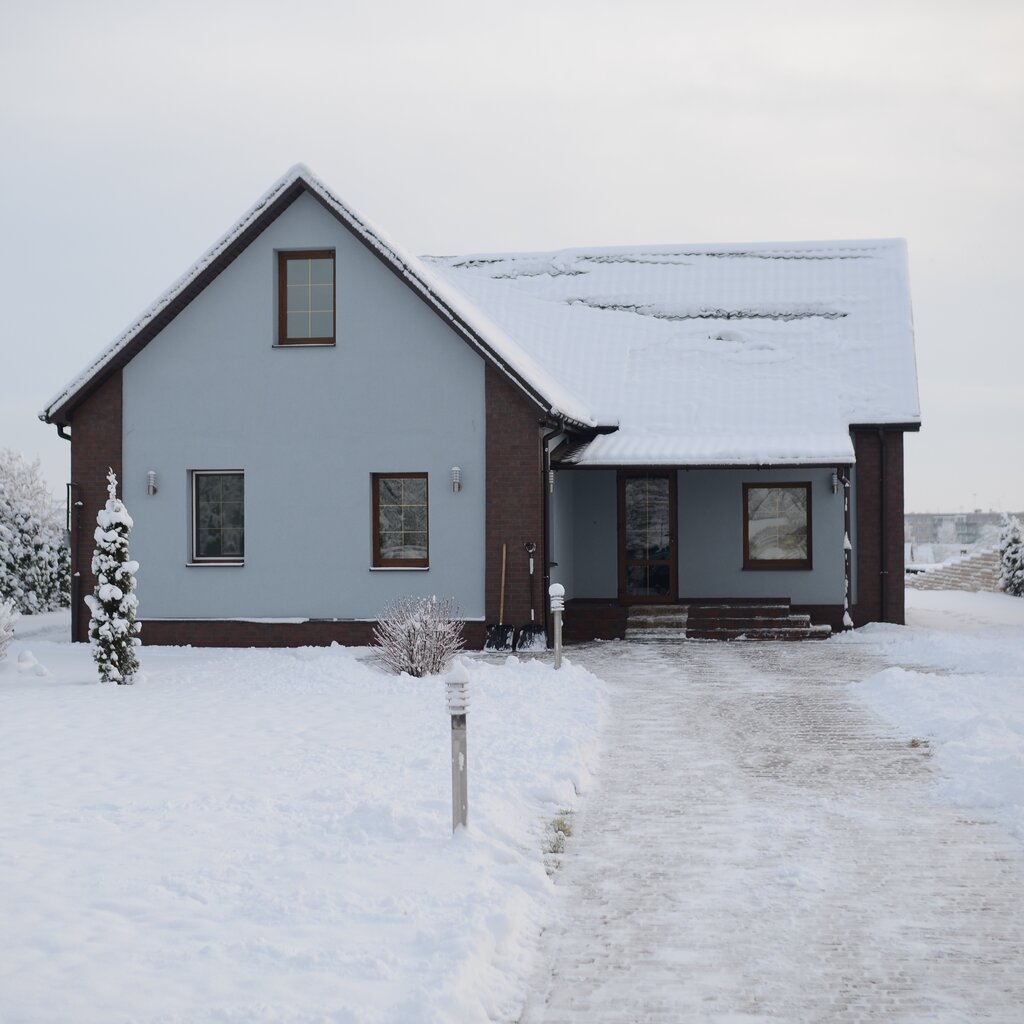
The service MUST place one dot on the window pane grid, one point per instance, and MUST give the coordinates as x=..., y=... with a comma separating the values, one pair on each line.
x=219, y=516
x=307, y=296
x=401, y=520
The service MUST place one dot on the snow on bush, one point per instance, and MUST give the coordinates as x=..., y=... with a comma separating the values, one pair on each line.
x=8, y=617
x=113, y=629
x=1011, y=557
x=419, y=635
x=34, y=555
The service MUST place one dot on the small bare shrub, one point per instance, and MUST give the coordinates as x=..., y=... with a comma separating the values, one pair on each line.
x=419, y=635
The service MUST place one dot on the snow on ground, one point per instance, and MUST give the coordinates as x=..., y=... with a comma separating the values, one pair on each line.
x=255, y=836
x=956, y=681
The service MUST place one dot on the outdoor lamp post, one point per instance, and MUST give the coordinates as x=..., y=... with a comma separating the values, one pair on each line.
x=557, y=594
x=457, y=687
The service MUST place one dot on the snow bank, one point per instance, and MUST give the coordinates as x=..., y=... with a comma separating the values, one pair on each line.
x=266, y=836
x=957, y=682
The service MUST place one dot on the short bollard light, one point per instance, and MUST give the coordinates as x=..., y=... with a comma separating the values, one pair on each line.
x=557, y=594
x=457, y=688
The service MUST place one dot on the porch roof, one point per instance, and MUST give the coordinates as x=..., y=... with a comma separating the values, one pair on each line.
x=712, y=354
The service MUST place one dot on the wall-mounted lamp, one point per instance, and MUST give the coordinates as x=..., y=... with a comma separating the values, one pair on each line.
x=151, y=482
x=456, y=479
x=835, y=481
x=551, y=481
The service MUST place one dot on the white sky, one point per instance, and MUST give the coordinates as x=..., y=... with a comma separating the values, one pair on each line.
x=133, y=134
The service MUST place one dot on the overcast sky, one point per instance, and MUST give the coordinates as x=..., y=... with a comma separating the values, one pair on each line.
x=133, y=134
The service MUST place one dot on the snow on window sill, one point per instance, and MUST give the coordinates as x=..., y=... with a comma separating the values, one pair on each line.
x=399, y=568
x=214, y=565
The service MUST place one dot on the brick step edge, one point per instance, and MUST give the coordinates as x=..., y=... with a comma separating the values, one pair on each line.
x=750, y=621
x=780, y=633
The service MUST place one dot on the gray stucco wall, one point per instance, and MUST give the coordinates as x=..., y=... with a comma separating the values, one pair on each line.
x=563, y=514
x=398, y=393
x=595, y=547
x=710, y=536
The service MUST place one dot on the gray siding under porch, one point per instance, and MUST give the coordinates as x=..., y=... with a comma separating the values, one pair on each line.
x=400, y=392
x=710, y=536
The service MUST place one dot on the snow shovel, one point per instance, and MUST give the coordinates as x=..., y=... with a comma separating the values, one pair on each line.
x=500, y=637
x=532, y=636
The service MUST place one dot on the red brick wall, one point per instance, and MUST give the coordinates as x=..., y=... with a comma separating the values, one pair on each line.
x=515, y=499
x=227, y=633
x=871, y=585
x=591, y=619
x=95, y=448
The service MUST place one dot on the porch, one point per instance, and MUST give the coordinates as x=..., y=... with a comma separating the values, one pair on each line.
x=704, y=552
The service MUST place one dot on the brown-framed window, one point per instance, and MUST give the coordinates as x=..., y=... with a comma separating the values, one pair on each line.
x=218, y=516
x=777, y=526
x=400, y=520
x=305, y=297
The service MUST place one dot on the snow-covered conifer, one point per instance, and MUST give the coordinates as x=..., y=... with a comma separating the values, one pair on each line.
x=419, y=635
x=8, y=617
x=1011, y=557
x=34, y=556
x=113, y=629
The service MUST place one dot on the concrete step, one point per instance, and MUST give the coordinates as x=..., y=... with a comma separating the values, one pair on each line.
x=978, y=572
x=767, y=633
x=677, y=621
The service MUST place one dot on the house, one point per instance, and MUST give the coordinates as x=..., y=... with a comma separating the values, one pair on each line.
x=311, y=422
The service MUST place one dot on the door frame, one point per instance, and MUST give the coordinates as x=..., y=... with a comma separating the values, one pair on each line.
x=673, y=572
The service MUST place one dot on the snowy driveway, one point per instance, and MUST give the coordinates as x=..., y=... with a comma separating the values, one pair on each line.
x=761, y=847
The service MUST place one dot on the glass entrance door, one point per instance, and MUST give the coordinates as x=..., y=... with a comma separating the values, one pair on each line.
x=647, y=537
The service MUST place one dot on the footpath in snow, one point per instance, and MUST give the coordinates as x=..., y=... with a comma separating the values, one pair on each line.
x=763, y=845
x=263, y=837
x=808, y=833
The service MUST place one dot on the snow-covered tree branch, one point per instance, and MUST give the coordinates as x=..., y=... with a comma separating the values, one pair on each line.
x=1011, y=557
x=34, y=555
x=8, y=617
x=113, y=629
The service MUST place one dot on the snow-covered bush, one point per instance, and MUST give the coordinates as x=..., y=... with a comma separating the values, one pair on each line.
x=113, y=629
x=1011, y=557
x=34, y=555
x=8, y=617
x=419, y=635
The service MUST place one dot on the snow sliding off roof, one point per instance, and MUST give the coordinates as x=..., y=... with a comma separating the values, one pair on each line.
x=712, y=354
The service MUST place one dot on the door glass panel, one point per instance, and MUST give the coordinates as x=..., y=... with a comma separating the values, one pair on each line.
x=648, y=580
x=647, y=517
x=647, y=533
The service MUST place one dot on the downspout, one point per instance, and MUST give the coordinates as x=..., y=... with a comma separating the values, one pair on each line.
x=73, y=521
x=844, y=480
x=883, y=540
x=546, y=491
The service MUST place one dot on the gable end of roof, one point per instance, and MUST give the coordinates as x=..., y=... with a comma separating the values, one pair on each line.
x=269, y=207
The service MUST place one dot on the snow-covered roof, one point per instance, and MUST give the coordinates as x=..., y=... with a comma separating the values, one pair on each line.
x=468, y=321
x=712, y=354
x=693, y=354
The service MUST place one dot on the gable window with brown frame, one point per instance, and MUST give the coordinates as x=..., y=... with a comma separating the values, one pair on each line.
x=218, y=517
x=305, y=297
x=777, y=526
x=400, y=521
